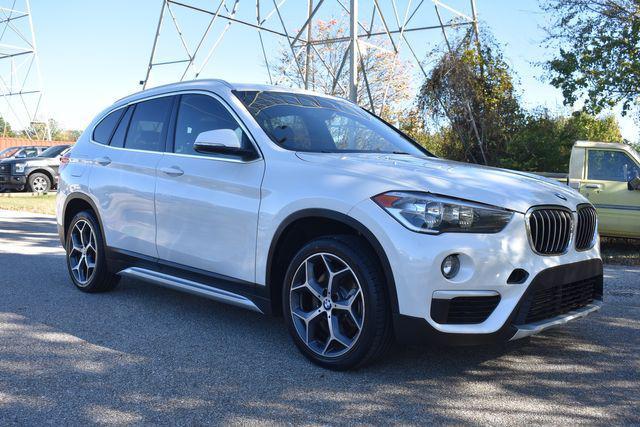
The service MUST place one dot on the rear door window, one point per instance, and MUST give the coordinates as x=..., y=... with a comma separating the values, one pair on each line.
x=121, y=131
x=148, y=125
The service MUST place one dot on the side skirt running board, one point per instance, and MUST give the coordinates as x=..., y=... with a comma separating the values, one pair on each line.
x=189, y=286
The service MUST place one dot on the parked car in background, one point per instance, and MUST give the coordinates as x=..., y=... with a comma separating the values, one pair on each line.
x=22, y=152
x=289, y=202
x=37, y=174
x=608, y=174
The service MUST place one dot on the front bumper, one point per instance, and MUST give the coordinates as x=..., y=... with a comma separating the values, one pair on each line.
x=413, y=330
x=13, y=181
x=488, y=262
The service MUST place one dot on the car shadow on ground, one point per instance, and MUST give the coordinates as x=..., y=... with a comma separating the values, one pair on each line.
x=142, y=354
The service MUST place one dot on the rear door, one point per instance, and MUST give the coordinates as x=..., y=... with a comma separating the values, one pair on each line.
x=606, y=187
x=123, y=176
x=207, y=204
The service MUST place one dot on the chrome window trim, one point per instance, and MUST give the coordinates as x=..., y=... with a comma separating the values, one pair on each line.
x=594, y=238
x=165, y=152
x=572, y=228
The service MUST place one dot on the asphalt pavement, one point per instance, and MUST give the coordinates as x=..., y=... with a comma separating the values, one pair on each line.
x=147, y=355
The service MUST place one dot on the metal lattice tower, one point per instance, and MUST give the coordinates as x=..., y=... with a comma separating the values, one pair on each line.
x=21, y=87
x=387, y=19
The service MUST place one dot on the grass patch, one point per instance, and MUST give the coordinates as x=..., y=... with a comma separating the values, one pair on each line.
x=28, y=202
x=620, y=251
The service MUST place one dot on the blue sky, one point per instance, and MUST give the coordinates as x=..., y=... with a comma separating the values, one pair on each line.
x=94, y=52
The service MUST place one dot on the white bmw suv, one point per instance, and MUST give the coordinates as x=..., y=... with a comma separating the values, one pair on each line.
x=292, y=203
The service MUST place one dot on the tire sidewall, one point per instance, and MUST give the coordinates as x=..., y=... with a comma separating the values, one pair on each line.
x=365, y=277
x=100, y=258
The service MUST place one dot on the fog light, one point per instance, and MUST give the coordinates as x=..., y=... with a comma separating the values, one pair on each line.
x=450, y=266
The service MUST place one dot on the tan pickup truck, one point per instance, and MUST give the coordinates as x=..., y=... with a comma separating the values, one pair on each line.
x=608, y=174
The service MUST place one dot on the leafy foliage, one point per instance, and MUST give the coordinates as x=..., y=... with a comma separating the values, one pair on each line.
x=38, y=131
x=473, y=93
x=5, y=128
x=465, y=84
x=598, y=56
x=544, y=141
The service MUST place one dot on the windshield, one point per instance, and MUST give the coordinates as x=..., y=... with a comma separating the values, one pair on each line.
x=8, y=152
x=310, y=123
x=53, y=151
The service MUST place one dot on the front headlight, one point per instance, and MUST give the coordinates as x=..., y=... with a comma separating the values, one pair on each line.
x=19, y=167
x=427, y=213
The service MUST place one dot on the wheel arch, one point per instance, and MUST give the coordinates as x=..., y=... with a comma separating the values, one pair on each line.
x=74, y=203
x=44, y=171
x=283, y=245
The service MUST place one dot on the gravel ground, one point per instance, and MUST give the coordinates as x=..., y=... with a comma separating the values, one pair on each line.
x=145, y=355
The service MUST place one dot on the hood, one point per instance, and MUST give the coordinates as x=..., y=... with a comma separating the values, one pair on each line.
x=517, y=191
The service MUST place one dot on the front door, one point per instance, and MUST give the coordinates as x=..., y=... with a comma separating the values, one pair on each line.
x=207, y=205
x=606, y=187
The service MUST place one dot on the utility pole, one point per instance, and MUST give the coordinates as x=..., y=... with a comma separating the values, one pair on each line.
x=353, y=56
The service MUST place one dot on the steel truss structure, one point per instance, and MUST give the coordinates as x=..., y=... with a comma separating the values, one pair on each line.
x=394, y=24
x=21, y=86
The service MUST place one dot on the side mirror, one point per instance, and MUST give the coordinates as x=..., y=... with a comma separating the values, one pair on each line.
x=221, y=141
x=634, y=184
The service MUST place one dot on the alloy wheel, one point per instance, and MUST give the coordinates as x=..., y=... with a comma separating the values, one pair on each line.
x=83, y=253
x=327, y=305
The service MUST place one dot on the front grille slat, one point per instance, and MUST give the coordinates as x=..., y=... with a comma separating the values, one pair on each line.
x=550, y=230
x=586, y=228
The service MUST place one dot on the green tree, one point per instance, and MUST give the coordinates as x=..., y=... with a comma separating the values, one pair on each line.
x=470, y=96
x=5, y=128
x=598, y=57
x=544, y=142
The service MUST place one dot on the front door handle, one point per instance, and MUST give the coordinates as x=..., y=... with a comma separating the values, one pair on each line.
x=103, y=161
x=593, y=186
x=172, y=171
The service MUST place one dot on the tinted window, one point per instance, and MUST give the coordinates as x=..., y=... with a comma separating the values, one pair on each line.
x=54, y=151
x=7, y=152
x=102, y=133
x=29, y=152
x=201, y=113
x=117, y=140
x=148, y=125
x=611, y=166
x=313, y=123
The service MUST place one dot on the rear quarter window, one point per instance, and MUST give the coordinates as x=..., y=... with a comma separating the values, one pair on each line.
x=103, y=131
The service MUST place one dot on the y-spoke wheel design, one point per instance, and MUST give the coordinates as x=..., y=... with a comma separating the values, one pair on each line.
x=83, y=252
x=327, y=305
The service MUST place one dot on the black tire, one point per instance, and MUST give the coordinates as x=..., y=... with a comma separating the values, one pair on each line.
x=39, y=183
x=376, y=333
x=99, y=278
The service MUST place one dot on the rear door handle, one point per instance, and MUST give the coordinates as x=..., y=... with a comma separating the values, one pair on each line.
x=172, y=171
x=103, y=161
x=595, y=186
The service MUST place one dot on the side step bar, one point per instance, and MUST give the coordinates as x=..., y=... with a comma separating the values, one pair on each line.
x=189, y=286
